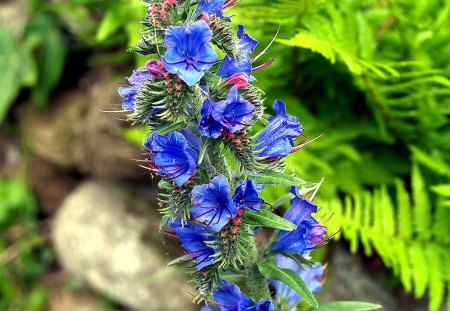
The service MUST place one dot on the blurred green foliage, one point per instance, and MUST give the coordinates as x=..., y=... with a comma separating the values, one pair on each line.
x=24, y=255
x=32, y=57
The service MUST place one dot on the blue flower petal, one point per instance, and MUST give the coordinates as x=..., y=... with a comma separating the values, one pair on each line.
x=309, y=231
x=210, y=7
x=230, y=298
x=277, y=139
x=194, y=239
x=208, y=126
x=230, y=66
x=247, y=43
x=247, y=195
x=212, y=203
x=189, y=54
x=233, y=113
x=173, y=156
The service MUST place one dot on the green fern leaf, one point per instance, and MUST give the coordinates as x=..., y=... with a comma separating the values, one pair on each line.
x=412, y=240
x=333, y=35
x=437, y=282
x=404, y=211
x=422, y=206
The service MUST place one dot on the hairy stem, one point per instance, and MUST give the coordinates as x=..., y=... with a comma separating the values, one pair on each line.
x=256, y=281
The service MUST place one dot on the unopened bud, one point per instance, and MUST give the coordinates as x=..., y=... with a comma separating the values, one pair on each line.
x=239, y=80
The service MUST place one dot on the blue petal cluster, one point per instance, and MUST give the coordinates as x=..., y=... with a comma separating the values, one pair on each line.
x=213, y=204
x=309, y=231
x=173, y=155
x=247, y=195
x=230, y=298
x=232, y=65
x=189, y=54
x=310, y=274
x=135, y=81
x=211, y=7
x=277, y=139
x=194, y=239
x=232, y=114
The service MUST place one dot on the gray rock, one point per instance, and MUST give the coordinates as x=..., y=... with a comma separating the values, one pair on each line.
x=74, y=133
x=98, y=237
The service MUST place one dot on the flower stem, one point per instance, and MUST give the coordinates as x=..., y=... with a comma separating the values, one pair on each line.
x=256, y=281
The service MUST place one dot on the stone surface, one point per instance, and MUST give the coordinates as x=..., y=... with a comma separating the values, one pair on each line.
x=61, y=298
x=50, y=185
x=99, y=237
x=75, y=134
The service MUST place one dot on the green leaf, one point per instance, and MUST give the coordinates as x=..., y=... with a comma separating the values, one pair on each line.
x=110, y=23
x=171, y=128
x=10, y=65
x=347, y=306
x=288, y=277
x=181, y=259
x=282, y=179
x=268, y=219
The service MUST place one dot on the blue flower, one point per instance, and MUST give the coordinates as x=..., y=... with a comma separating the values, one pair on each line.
x=189, y=54
x=193, y=140
x=230, y=298
x=277, y=139
x=194, y=239
x=247, y=43
x=247, y=195
x=309, y=231
x=232, y=114
x=230, y=65
x=207, y=308
x=310, y=274
x=172, y=156
x=208, y=126
x=212, y=203
x=135, y=82
x=211, y=7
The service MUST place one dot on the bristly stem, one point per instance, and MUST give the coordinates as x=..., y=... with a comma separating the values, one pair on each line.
x=257, y=283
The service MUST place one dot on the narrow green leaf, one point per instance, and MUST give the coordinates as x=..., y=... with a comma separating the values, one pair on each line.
x=110, y=23
x=10, y=70
x=268, y=219
x=204, y=147
x=280, y=201
x=171, y=127
x=282, y=179
x=178, y=260
x=288, y=277
x=347, y=306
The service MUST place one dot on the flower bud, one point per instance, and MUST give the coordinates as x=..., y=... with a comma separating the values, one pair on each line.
x=155, y=68
x=240, y=80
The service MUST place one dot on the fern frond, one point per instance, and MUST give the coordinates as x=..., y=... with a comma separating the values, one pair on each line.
x=411, y=237
x=334, y=35
x=422, y=204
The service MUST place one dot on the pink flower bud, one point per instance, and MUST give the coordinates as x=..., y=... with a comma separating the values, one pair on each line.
x=154, y=69
x=240, y=80
x=237, y=221
x=205, y=17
